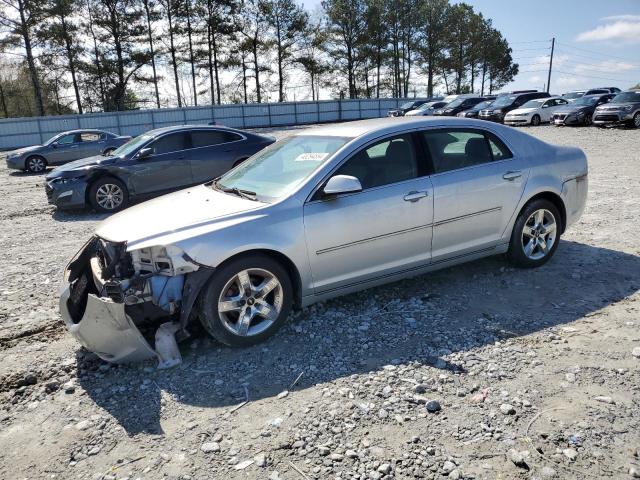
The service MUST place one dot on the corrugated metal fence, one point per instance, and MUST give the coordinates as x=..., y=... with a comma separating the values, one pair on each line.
x=36, y=130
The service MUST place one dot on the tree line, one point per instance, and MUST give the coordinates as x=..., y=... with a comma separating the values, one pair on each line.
x=61, y=56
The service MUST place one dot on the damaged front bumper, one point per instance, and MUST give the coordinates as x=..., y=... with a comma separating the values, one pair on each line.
x=106, y=330
x=123, y=313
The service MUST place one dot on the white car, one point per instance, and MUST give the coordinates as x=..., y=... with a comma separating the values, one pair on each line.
x=534, y=112
x=426, y=109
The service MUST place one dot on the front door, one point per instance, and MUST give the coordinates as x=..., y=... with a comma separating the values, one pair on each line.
x=65, y=149
x=381, y=230
x=167, y=168
x=477, y=184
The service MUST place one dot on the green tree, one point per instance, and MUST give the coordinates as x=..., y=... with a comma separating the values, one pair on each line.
x=20, y=19
x=433, y=22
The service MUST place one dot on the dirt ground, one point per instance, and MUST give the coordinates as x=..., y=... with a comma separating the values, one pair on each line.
x=479, y=371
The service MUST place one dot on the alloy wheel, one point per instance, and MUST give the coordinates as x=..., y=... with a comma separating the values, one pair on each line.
x=109, y=196
x=636, y=120
x=250, y=302
x=539, y=234
x=587, y=119
x=36, y=165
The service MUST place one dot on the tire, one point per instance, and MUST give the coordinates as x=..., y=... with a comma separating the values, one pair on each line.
x=258, y=270
x=529, y=245
x=636, y=120
x=35, y=164
x=588, y=120
x=535, y=120
x=108, y=195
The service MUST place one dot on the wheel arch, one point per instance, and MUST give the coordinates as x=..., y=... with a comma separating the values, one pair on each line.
x=282, y=259
x=98, y=175
x=553, y=198
x=36, y=155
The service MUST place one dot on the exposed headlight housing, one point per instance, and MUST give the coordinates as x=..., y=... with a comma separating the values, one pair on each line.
x=161, y=260
x=64, y=180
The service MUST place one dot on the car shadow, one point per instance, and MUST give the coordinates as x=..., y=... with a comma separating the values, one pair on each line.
x=419, y=320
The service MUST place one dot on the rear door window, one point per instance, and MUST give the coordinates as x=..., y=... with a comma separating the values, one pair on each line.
x=172, y=142
x=207, y=138
x=454, y=149
x=89, y=136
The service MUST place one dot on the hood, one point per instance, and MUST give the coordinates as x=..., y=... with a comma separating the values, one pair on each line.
x=20, y=151
x=567, y=110
x=176, y=216
x=411, y=113
x=80, y=165
x=523, y=110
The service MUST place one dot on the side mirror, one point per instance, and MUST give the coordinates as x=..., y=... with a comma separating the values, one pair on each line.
x=54, y=145
x=145, y=153
x=341, y=184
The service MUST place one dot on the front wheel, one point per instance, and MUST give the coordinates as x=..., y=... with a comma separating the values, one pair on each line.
x=108, y=195
x=588, y=120
x=535, y=235
x=636, y=120
x=535, y=120
x=246, y=301
x=35, y=164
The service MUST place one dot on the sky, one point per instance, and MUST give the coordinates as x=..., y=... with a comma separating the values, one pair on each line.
x=597, y=41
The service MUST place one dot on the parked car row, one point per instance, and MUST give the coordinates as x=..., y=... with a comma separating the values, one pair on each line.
x=604, y=106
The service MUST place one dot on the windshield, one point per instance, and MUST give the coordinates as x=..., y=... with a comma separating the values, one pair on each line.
x=455, y=103
x=626, y=97
x=533, y=103
x=407, y=105
x=131, y=146
x=54, y=138
x=504, y=101
x=482, y=105
x=586, y=101
x=572, y=95
x=281, y=167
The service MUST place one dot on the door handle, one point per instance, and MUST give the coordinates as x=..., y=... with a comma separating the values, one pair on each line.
x=512, y=175
x=415, y=196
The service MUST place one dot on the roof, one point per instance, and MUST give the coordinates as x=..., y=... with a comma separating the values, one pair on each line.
x=383, y=125
x=176, y=128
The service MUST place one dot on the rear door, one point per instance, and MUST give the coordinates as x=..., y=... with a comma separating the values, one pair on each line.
x=213, y=152
x=477, y=184
x=167, y=168
x=89, y=144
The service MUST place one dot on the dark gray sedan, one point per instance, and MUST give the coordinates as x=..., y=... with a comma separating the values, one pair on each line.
x=151, y=164
x=64, y=147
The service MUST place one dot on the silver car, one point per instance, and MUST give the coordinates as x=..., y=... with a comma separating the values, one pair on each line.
x=63, y=148
x=325, y=212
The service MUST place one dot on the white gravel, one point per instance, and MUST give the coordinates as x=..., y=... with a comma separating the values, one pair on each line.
x=518, y=362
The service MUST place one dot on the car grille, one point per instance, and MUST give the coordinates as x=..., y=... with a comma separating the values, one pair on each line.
x=560, y=116
x=485, y=113
x=606, y=118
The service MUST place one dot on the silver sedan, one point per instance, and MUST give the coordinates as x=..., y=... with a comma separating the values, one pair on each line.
x=322, y=213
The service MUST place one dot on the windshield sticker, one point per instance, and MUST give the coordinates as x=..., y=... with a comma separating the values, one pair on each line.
x=311, y=157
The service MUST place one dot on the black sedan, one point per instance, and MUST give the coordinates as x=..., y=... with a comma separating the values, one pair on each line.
x=581, y=111
x=405, y=107
x=475, y=110
x=153, y=163
x=458, y=105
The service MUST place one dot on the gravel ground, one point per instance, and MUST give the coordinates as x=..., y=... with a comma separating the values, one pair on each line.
x=479, y=371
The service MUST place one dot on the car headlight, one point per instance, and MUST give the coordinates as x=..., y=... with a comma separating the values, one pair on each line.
x=627, y=108
x=65, y=180
x=497, y=112
x=13, y=156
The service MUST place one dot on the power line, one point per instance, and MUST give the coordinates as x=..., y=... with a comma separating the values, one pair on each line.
x=529, y=49
x=596, y=53
x=531, y=41
x=594, y=58
x=592, y=76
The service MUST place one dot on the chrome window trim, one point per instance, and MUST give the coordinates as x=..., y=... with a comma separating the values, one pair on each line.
x=189, y=131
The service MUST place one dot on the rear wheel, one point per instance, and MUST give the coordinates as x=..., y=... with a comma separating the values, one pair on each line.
x=535, y=235
x=535, y=120
x=246, y=301
x=108, y=195
x=35, y=164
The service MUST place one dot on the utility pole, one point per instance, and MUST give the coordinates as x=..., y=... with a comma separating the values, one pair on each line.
x=553, y=43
